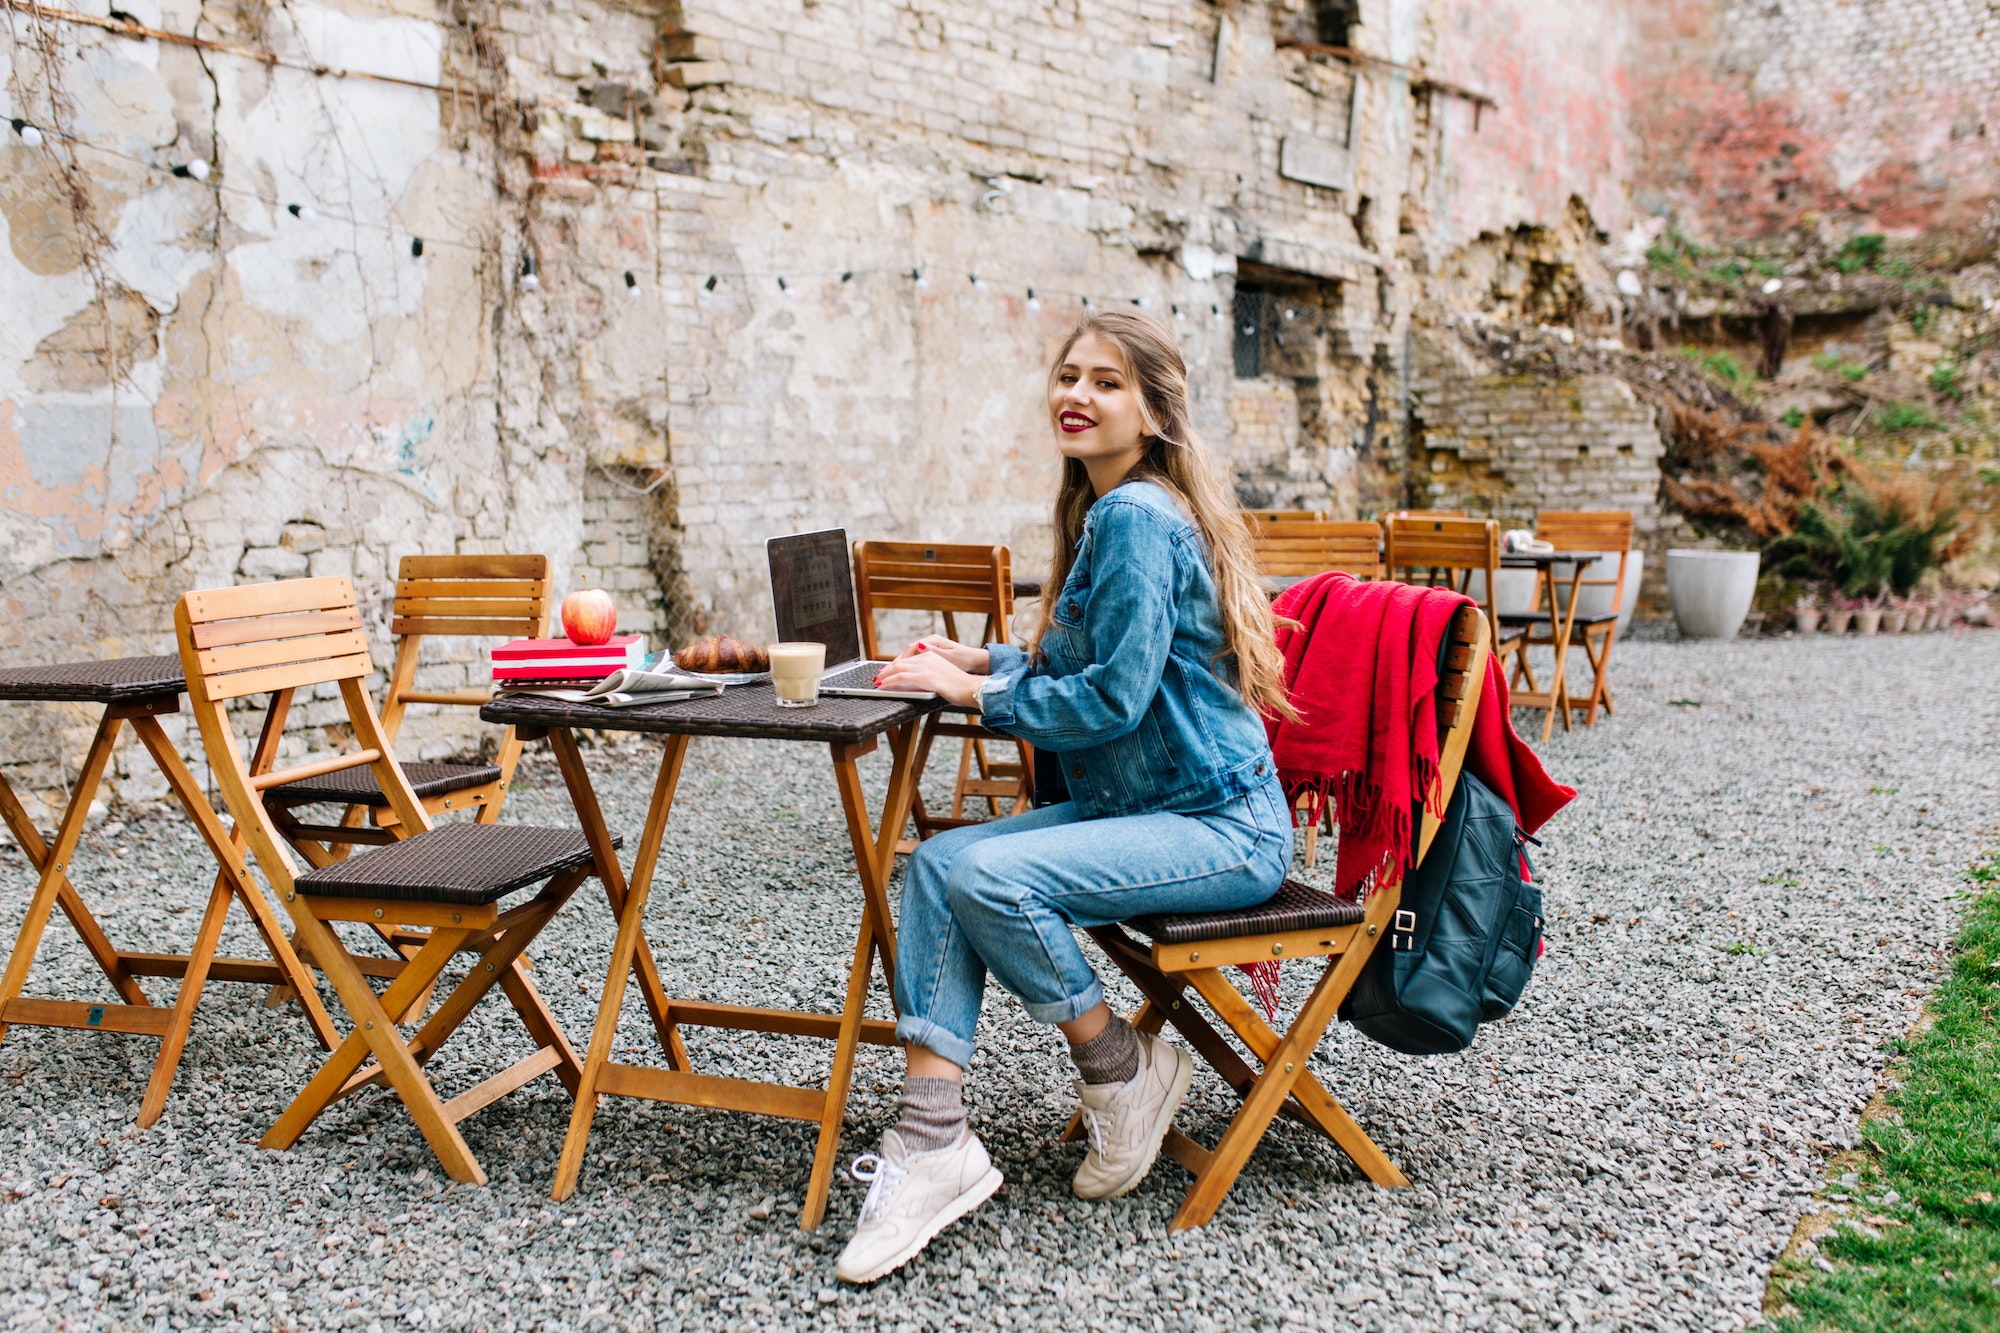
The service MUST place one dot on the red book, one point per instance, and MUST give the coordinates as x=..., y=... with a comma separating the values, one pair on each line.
x=561, y=659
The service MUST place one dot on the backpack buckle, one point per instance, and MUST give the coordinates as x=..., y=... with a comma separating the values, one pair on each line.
x=1406, y=920
x=1402, y=932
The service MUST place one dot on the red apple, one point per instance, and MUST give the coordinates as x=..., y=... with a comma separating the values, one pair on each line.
x=589, y=616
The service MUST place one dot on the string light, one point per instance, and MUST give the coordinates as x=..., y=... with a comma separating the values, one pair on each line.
x=530, y=280
x=1216, y=311
x=923, y=283
x=1180, y=315
x=1087, y=305
x=29, y=134
x=847, y=275
x=631, y=285
x=416, y=247
x=978, y=283
x=195, y=170
x=784, y=288
x=708, y=288
x=1033, y=304
x=305, y=213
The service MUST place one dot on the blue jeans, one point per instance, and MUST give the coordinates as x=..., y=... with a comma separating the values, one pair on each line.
x=1002, y=896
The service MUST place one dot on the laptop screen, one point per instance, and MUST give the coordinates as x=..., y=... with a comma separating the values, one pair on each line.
x=812, y=589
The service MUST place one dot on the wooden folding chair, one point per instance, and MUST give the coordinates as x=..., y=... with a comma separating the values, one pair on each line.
x=1299, y=922
x=276, y=639
x=1301, y=548
x=138, y=690
x=487, y=595
x=1608, y=532
x=1447, y=552
x=950, y=581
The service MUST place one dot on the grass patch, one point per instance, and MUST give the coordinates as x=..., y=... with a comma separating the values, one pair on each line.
x=1860, y=252
x=1911, y=1238
x=1906, y=416
x=1721, y=365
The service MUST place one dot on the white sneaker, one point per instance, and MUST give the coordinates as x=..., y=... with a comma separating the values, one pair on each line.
x=911, y=1197
x=1128, y=1121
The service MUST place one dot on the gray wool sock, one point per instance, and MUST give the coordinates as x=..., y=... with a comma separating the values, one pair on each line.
x=1112, y=1056
x=930, y=1113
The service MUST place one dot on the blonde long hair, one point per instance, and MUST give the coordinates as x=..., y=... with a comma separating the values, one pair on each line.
x=1177, y=460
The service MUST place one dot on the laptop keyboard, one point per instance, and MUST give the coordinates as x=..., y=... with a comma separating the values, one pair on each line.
x=860, y=676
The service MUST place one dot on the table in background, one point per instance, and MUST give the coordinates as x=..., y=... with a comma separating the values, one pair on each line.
x=850, y=728
x=136, y=691
x=1561, y=617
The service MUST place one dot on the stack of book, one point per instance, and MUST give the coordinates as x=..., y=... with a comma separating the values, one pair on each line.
x=559, y=664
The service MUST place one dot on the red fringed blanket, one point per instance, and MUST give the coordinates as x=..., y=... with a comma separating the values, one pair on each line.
x=1361, y=666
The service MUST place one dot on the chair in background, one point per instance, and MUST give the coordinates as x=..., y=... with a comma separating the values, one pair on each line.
x=1298, y=922
x=1255, y=516
x=488, y=595
x=1301, y=548
x=1593, y=628
x=949, y=581
x=276, y=639
x=1447, y=552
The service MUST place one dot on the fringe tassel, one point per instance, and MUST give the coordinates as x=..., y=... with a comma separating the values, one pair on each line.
x=1264, y=981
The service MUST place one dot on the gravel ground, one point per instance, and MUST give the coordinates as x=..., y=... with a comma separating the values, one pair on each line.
x=1747, y=901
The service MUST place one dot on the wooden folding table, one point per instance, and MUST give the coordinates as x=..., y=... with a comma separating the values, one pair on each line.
x=136, y=690
x=850, y=728
x=1560, y=617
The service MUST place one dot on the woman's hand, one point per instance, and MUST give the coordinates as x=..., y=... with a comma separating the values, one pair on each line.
x=966, y=657
x=925, y=668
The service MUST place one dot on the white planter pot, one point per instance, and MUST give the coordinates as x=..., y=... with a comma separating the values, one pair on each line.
x=1711, y=591
x=1514, y=591
x=1596, y=600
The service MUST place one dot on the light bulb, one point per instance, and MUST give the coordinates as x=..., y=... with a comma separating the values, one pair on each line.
x=1216, y=311
x=195, y=170
x=1033, y=303
x=416, y=247
x=530, y=280
x=303, y=212
x=1087, y=305
x=923, y=283
x=631, y=285
x=785, y=288
x=1180, y=314
x=1291, y=314
x=978, y=283
x=1144, y=303
x=29, y=134
x=708, y=288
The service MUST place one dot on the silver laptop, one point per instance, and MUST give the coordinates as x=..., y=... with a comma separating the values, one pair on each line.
x=812, y=588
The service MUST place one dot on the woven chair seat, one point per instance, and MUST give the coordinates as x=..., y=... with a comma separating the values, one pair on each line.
x=1512, y=618
x=357, y=786
x=1294, y=906
x=472, y=864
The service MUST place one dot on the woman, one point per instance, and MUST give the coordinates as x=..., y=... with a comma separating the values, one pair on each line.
x=1147, y=676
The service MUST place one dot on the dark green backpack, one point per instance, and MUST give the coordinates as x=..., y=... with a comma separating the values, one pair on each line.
x=1464, y=938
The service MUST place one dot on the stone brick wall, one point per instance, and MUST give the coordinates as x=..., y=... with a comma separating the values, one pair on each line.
x=1751, y=118
x=1504, y=446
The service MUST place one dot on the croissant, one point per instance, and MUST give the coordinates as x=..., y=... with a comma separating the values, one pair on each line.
x=722, y=653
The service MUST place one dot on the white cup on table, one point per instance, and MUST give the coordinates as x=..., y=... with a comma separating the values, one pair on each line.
x=795, y=672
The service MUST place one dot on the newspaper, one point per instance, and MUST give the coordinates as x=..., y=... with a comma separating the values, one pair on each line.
x=630, y=687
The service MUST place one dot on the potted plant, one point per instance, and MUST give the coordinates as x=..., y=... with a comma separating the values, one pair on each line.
x=1711, y=591
x=1805, y=613
x=1895, y=614
x=1841, y=617
x=1868, y=615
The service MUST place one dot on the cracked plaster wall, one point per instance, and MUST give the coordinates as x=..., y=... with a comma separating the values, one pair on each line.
x=294, y=396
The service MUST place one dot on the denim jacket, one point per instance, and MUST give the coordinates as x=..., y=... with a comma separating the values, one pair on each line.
x=1128, y=690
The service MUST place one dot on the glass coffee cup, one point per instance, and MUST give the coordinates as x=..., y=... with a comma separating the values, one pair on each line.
x=795, y=672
